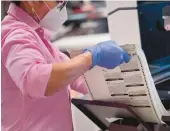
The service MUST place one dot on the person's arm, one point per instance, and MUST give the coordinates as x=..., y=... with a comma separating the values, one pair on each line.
x=65, y=73
x=30, y=71
x=35, y=77
x=106, y=54
x=78, y=85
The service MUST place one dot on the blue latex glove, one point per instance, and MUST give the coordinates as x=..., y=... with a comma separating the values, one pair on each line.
x=108, y=55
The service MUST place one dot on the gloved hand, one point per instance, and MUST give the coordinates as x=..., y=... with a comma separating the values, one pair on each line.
x=108, y=55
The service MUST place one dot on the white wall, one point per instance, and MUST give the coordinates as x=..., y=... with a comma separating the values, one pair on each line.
x=124, y=25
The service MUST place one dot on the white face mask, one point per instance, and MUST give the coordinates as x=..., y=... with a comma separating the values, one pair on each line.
x=54, y=19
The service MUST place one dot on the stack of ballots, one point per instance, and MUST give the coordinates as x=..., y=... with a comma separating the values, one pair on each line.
x=130, y=83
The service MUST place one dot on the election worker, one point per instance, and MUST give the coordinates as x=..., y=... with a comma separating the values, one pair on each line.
x=36, y=76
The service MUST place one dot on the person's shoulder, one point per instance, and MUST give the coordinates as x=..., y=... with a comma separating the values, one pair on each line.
x=13, y=31
x=10, y=25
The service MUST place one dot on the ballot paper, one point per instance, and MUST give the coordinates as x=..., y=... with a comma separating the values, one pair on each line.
x=130, y=83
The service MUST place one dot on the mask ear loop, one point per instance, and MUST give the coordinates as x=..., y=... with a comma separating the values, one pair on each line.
x=47, y=5
x=35, y=13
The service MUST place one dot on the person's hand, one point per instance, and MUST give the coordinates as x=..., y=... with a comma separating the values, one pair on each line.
x=108, y=55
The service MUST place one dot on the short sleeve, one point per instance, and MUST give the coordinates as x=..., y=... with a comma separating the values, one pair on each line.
x=26, y=63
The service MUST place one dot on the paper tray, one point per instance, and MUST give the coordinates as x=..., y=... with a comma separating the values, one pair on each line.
x=98, y=111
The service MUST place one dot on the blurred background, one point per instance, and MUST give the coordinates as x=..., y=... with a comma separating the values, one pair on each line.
x=84, y=17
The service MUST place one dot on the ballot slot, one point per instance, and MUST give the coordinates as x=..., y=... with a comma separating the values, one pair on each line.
x=105, y=114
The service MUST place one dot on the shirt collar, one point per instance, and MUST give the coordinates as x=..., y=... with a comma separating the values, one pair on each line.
x=23, y=16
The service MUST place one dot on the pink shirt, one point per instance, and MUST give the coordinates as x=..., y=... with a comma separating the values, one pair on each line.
x=27, y=58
